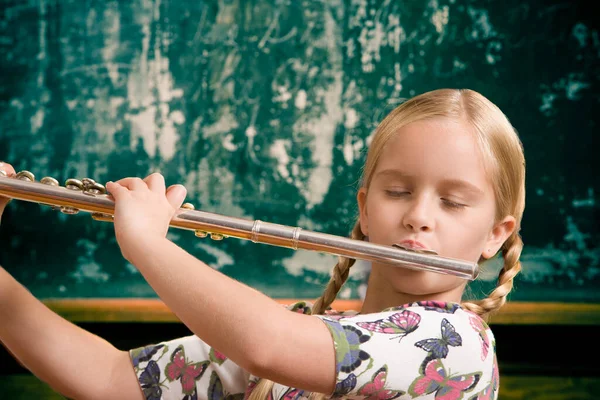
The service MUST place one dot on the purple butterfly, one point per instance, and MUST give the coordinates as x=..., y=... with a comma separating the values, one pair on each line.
x=150, y=381
x=438, y=348
x=354, y=354
x=144, y=354
x=439, y=306
x=193, y=396
x=400, y=324
x=344, y=387
x=292, y=394
x=216, y=391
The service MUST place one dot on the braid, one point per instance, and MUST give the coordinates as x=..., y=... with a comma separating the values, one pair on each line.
x=511, y=251
x=339, y=276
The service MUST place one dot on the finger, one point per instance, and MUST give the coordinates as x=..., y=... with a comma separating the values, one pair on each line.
x=156, y=182
x=116, y=190
x=176, y=195
x=132, y=183
x=5, y=170
x=3, y=202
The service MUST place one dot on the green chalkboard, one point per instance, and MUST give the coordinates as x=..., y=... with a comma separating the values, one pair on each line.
x=263, y=110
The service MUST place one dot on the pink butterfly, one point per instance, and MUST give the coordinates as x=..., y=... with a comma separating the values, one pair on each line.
x=188, y=373
x=376, y=388
x=439, y=306
x=479, y=327
x=488, y=392
x=401, y=324
x=250, y=388
x=216, y=356
x=435, y=379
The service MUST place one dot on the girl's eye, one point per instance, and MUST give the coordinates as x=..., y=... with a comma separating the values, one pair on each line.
x=454, y=205
x=396, y=193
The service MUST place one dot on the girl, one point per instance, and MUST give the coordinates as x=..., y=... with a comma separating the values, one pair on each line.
x=445, y=171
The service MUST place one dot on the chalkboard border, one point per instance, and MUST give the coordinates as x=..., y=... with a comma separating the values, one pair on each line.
x=154, y=310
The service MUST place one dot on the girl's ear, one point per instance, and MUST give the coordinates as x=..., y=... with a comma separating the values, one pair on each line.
x=361, y=198
x=501, y=231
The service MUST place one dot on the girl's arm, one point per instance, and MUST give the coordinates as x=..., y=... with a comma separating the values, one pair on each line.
x=253, y=330
x=71, y=360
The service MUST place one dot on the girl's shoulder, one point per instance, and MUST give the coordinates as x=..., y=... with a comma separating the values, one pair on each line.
x=423, y=308
x=436, y=310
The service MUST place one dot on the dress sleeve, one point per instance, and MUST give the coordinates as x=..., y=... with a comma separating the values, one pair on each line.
x=416, y=350
x=187, y=368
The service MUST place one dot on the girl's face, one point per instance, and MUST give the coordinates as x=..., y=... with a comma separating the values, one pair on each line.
x=430, y=190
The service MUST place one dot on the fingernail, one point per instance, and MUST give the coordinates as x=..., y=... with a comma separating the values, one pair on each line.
x=1, y=163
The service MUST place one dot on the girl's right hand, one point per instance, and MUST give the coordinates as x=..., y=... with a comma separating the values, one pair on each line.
x=7, y=169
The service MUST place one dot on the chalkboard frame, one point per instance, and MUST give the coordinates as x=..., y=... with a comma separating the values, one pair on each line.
x=154, y=310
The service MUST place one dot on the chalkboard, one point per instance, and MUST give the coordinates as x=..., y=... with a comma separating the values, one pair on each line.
x=263, y=109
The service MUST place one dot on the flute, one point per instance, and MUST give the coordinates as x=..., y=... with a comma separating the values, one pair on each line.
x=89, y=196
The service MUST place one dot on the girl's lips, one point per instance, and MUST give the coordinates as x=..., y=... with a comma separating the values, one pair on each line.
x=413, y=245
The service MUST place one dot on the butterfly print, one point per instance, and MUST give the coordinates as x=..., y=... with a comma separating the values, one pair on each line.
x=376, y=388
x=480, y=328
x=439, y=306
x=292, y=394
x=187, y=373
x=346, y=386
x=438, y=348
x=250, y=388
x=336, y=317
x=216, y=356
x=435, y=379
x=216, y=391
x=399, y=324
x=489, y=392
x=150, y=381
x=193, y=396
x=354, y=355
x=144, y=354
x=301, y=308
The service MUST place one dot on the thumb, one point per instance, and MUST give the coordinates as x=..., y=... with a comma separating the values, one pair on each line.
x=116, y=190
x=5, y=170
x=3, y=202
x=176, y=195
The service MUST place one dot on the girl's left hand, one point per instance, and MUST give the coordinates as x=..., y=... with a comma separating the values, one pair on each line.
x=143, y=209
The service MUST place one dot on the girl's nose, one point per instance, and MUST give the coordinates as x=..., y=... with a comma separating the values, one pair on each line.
x=418, y=218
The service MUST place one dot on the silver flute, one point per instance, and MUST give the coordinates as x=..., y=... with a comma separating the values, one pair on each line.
x=89, y=196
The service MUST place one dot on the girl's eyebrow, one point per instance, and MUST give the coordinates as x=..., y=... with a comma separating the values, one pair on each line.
x=394, y=173
x=463, y=185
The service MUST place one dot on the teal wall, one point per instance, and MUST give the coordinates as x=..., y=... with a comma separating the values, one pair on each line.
x=263, y=110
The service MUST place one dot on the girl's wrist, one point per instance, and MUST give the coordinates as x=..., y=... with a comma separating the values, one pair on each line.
x=137, y=251
x=8, y=286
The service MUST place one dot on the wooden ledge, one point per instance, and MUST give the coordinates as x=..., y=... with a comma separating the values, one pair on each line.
x=154, y=310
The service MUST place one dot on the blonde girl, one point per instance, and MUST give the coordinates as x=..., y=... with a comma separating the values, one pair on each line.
x=445, y=171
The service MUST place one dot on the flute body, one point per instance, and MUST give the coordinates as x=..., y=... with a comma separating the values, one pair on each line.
x=88, y=196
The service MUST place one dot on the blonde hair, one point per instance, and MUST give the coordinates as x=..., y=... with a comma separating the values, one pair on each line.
x=504, y=162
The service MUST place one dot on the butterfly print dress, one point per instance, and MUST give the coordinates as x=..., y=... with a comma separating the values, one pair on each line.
x=422, y=350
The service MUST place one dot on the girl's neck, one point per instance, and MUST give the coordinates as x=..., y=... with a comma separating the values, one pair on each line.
x=380, y=296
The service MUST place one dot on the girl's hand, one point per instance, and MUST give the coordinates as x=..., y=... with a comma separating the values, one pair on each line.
x=143, y=210
x=8, y=170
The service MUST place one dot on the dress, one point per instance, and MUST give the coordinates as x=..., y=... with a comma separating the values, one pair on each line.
x=423, y=350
